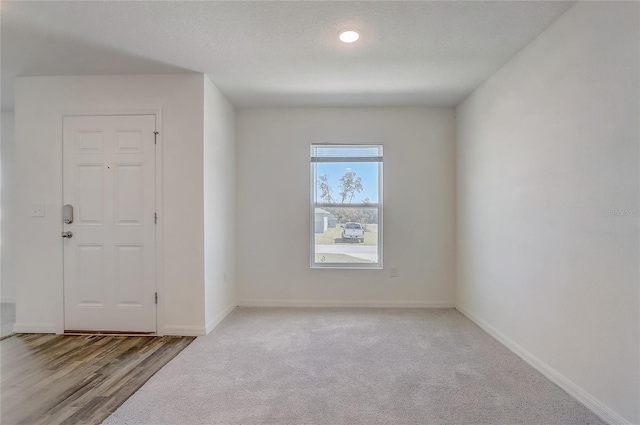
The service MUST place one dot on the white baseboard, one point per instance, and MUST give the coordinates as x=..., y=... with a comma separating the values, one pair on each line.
x=8, y=299
x=35, y=328
x=213, y=323
x=334, y=303
x=556, y=377
x=177, y=330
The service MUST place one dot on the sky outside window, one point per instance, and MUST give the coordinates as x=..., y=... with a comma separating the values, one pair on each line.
x=367, y=171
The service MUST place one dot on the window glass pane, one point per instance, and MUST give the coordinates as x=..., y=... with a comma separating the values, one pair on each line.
x=346, y=235
x=346, y=182
x=346, y=205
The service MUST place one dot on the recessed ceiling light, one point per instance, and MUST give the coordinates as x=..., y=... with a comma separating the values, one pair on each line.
x=349, y=36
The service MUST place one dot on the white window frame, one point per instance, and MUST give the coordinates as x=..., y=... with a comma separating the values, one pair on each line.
x=313, y=161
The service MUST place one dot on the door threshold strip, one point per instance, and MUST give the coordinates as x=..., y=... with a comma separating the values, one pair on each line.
x=113, y=333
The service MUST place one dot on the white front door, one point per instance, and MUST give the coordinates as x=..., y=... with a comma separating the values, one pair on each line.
x=109, y=248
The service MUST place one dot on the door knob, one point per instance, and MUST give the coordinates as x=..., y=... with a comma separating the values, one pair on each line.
x=67, y=235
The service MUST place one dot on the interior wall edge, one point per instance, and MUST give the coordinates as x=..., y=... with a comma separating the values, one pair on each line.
x=181, y=330
x=213, y=323
x=338, y=303
x=588, y=400
x=36, y=328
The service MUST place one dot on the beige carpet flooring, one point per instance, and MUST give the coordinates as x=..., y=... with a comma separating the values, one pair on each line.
x=349, y=366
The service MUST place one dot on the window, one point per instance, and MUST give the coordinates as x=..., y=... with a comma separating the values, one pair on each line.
x=346, y=206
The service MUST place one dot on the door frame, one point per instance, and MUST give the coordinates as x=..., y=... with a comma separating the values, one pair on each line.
x=159, y=207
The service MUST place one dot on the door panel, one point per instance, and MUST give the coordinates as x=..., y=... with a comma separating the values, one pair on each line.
x=90, y=275
x=129, y=194
x=89, y=141
x=129, y=141
x=109, y=262
x=129, y=275
x=89, y=202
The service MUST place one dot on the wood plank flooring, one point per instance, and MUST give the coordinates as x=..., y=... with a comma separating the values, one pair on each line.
x=59, y=379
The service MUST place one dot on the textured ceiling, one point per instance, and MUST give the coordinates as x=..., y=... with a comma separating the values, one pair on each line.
x=263, y=53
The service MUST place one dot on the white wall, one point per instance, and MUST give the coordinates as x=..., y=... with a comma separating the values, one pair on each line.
x=7, y=273
x=548, y=205
x=219, y=205
x=273, y=206
x=40, y=104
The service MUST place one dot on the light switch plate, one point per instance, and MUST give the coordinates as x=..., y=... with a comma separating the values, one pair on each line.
x=37, y=210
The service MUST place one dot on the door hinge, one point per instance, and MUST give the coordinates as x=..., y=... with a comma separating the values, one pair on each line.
x=156, y=298
x=155, y=218
x=155, y=137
